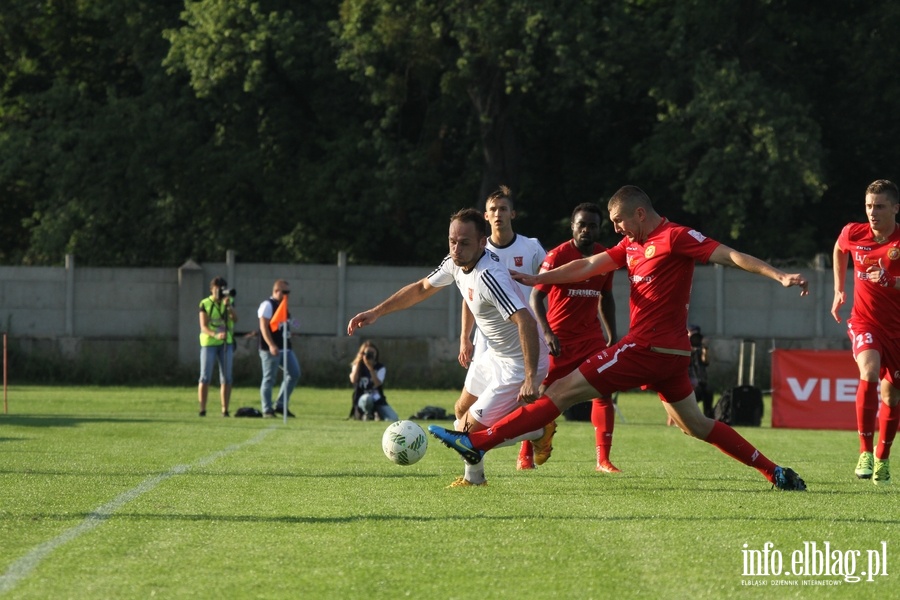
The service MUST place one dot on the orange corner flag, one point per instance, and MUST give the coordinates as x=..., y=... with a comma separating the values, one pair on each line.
x=280, y=316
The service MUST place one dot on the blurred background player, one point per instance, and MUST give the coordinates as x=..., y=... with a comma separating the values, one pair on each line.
x=874, y=323
x=576, y=316
x=518, y=253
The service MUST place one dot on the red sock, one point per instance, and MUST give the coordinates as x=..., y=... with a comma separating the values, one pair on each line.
x=734, y=445
x=603, y=417
x=888, y=419
x=527, y=450
x=866, y=408
x=520, y=421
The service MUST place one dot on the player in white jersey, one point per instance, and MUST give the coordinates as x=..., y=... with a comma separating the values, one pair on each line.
x=518, y=253
x=511, y=370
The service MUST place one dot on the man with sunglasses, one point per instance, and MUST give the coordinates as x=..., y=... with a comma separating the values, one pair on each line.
x=272, y=351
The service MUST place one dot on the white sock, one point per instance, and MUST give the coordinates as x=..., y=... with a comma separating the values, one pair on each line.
x=475, y=473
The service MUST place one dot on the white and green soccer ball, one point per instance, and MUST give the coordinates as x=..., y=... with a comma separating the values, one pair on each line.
x=404, y=442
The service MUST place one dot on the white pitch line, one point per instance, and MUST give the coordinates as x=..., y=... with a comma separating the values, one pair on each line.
x=23, y=567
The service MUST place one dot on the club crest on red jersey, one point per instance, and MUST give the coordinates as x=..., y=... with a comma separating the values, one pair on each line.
x=649, y=251
x=894, y=253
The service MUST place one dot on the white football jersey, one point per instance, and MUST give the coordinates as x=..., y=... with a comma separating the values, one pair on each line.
x=522, y=254
x=492, y=296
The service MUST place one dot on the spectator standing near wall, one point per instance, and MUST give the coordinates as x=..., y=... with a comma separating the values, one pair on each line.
x=217, y=319
x=275, y=351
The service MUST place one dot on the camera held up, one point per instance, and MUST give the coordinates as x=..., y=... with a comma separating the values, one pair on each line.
x=224, y=292
x=370, y=354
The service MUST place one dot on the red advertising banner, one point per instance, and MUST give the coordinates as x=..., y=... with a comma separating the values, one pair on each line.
x=814, y=389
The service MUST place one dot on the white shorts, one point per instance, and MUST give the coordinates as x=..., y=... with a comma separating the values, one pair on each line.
x=497, y=382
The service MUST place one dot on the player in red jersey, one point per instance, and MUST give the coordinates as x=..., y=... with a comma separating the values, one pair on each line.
x=573, y=316
x=874, y=323
x=660, y=258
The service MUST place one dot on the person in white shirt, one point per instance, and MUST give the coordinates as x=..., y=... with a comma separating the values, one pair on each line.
x=516, y=252
x=515, y=363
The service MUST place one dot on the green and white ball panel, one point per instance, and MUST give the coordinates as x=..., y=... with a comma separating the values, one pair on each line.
x=404, y=443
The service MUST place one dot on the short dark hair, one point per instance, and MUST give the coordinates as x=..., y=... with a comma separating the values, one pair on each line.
x=883, y=186
x=588, y=207
x=218, y=282
x=501, y=193
x=631, y=197
x=471, y=215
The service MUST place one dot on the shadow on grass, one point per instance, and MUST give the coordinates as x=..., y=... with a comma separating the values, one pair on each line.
x=406, y=518
x=67, y=421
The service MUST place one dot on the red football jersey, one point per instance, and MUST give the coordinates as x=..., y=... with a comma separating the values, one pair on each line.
x=872, y=304
x=661, y=272
x=572, y=308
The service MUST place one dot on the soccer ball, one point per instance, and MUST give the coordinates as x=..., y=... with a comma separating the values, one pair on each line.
x=404, y=442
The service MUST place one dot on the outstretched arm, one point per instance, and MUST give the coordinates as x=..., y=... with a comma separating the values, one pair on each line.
x=729, y=257
x=405, y=297
x=577, y=270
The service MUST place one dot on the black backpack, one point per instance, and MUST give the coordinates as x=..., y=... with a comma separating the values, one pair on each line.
x=741, y=405
x=247, y=411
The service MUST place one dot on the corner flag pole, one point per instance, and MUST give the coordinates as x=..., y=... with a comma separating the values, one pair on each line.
x=286, y=375
x=5, y=405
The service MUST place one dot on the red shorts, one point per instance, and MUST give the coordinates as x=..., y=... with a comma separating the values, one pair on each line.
x=865, y=336
x=571, y=355
x=627, y=366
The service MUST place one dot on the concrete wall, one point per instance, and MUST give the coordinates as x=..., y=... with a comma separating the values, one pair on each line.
x=71, y=306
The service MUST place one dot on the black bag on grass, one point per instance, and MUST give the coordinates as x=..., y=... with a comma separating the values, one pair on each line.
x=247, y=411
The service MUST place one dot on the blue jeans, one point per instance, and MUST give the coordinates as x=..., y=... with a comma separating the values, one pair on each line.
x=380, y=406
x=209, y=355
x=270, y=366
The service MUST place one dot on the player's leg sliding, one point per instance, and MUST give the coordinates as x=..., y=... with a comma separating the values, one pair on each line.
x=734, y=445
x=603, y=418
x=472, y=446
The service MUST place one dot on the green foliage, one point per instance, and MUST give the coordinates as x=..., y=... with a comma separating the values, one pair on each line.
x=741, y=155
x=147, y=133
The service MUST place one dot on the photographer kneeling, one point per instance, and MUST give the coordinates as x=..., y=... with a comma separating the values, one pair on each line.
x=367, y=376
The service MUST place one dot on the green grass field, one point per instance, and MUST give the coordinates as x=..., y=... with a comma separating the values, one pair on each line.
x=126, y=493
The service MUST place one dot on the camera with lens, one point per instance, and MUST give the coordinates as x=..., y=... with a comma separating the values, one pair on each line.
x=224, y=292
x=370, y=354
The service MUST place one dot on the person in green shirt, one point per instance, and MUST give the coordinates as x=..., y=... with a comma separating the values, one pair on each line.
x=217, y=319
